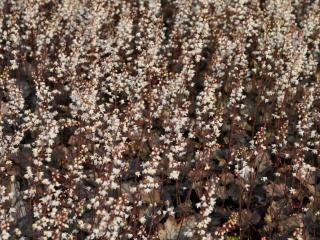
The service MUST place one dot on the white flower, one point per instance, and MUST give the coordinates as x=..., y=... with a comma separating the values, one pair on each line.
x=48, y=234
x=45, y=181
x=174, y=174
x=245, y=172
x=188, y=234
x=142, y=220
x=293, y=191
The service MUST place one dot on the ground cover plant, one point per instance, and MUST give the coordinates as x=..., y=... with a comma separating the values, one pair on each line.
x=160, y=119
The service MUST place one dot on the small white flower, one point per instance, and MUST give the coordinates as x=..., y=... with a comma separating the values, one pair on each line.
x=45, y=181
x=188, y=234
x=174, y=174
x=245, y=172
x=142, y=220
x=293, y=191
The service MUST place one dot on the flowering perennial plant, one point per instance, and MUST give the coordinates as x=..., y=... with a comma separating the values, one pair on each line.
x=159, y=119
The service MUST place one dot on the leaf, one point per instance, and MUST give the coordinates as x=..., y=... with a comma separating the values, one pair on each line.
x=151, y=197
x=290, y=223
x=4, y=108
x=169, y=230
x=275, y=190
x=249, y=218
x=262, y=161
x=222, y=192
x=227, y=178
x=231, y=238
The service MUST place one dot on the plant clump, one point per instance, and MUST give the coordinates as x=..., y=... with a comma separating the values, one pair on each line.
x=160, y=119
